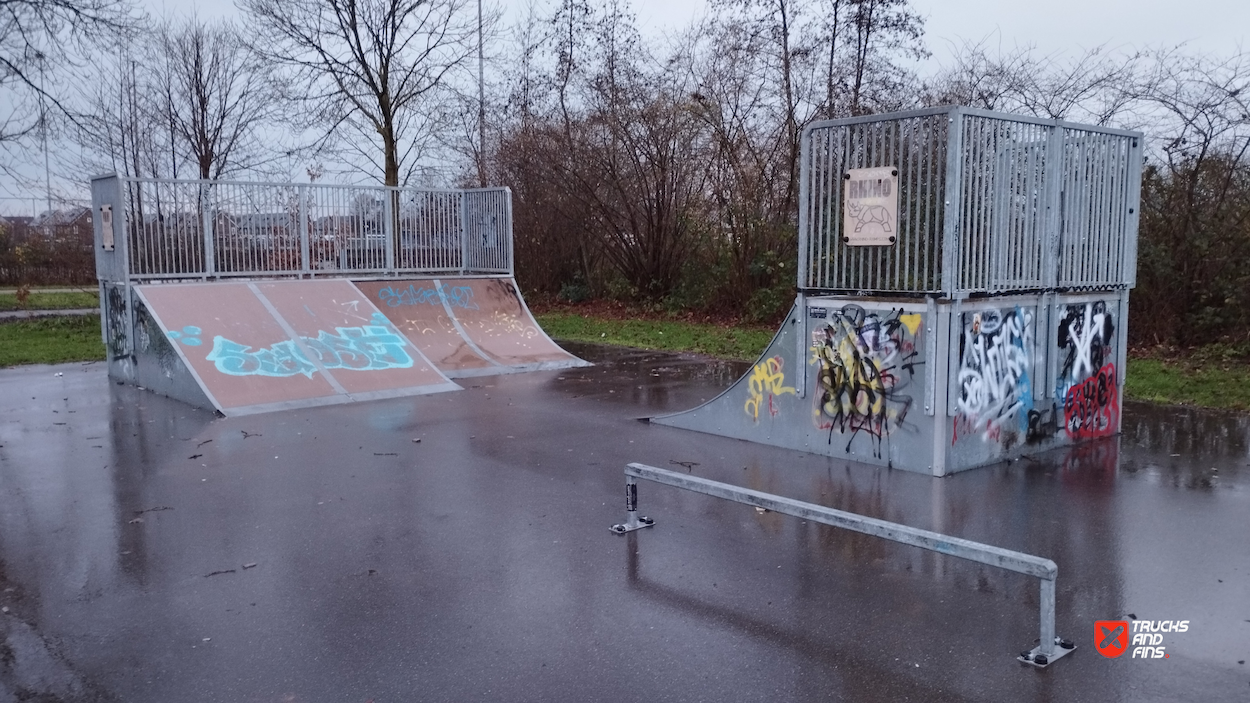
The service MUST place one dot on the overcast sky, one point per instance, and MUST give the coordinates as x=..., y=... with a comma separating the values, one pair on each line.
x=1053, y=26
x=1216, y=26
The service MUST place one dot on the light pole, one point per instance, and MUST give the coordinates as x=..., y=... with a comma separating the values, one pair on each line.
x=43, y=129
x=481, y=102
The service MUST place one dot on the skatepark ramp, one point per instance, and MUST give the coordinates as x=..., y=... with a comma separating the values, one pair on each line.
x=962, y=293
x=253, y=297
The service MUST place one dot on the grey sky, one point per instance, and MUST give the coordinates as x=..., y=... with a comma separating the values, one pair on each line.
x=1053, y=26
x=1216, y=26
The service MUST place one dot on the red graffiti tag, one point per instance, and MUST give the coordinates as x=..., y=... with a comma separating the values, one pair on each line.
x=1092, y=408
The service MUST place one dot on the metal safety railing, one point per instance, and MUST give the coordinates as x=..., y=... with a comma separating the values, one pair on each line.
x=180, y=229
x=987, y=203
x=1049, y=648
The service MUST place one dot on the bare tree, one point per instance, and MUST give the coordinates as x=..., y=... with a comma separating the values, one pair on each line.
x=1096, y=86
x=1195, y=226
x=215, y=93
x=377, y=66
x=883, y=30
x=37, y=36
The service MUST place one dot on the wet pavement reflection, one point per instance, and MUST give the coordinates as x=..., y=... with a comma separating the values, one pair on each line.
x=455, y=547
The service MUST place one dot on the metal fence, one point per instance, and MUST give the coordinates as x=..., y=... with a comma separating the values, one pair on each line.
x=179, y=229
x=988, y=203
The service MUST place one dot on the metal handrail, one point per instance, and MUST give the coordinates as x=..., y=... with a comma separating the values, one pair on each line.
x=1049, y=649
x=208, y=229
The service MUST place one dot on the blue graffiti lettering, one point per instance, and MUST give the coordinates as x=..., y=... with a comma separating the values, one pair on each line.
x=367, y=348
x=455, y=296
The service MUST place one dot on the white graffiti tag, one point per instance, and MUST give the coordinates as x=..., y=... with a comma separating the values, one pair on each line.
x=1086, y=334
x=994, y=387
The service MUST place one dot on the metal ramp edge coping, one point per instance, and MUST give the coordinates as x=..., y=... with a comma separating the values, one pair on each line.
x=666, y=419
x=318, y=401
x=1049, y=648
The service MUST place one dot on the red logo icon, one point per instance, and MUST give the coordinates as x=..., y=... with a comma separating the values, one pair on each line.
x=1111, y=637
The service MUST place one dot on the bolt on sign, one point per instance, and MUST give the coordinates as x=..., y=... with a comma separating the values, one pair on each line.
x=870, y=206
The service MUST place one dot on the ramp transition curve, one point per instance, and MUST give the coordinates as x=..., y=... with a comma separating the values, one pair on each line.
x=248, y=347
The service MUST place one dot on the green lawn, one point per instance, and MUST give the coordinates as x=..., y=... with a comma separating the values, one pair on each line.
x=1209, y=385
x=1185, y=382
x=51, y=340
x=1182, y=382
x=50, y=301
x=743, y=343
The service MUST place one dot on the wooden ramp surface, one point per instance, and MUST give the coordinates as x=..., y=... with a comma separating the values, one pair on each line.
x=468, y=326
x=256, y=347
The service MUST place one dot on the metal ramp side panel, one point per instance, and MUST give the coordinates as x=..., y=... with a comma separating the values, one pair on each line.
x=356, y=346
x=227, y=322
x=863, y=405
x=500, y=324
x=418, y=310
x=156, y=364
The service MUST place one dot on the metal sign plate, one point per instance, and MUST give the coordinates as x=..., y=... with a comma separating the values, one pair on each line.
x=870, y=206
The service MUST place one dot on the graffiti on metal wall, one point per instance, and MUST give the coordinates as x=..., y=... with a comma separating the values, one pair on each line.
x=1088, y=378
x=1086, y=334
x=768, y=379
x=455, y=296
x=1092, y=407
x=115, y=320
x=1042, y=424
x=865, y=363
x=366, y=348
x=995, y=387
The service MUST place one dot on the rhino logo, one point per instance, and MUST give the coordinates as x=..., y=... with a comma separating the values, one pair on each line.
x=873, y=214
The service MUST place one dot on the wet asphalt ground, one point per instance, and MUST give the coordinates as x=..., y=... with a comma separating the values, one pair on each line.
x=152, y=552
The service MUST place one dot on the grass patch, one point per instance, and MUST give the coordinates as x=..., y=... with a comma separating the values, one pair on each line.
x=51, y=340
x=50, y=301
x=742, y=343
x=1208, y=385
x=1195, y=377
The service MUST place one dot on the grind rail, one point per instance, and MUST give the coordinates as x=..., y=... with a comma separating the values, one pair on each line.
x=1049, y=649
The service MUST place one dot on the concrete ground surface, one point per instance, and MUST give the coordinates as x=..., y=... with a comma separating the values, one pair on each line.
x=153, y=552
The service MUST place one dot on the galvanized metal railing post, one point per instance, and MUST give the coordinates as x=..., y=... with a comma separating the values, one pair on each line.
x=206, y=223
x=1046, y=640
x=392, y=228
x=1043, y=569
x=508, y=232
x=952, y=202
x=805, y=197
x=1054, y=213
x=302, y=213
x=632, y=520
x=464, y=235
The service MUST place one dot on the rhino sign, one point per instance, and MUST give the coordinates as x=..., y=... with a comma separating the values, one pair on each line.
x=870, y=212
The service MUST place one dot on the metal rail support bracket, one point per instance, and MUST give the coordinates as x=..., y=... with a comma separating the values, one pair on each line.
x=633, y=521
x=1038, y=659
x=1049, y=648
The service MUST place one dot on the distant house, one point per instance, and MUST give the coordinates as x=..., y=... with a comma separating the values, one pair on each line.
x=263, y=226
x=70, y=225
x=16, y=227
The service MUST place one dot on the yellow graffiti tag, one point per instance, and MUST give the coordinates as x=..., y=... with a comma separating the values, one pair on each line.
x=766, y=378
